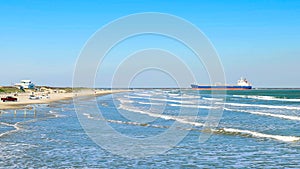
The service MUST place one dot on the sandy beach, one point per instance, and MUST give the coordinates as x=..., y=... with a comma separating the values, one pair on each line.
x=23, y=98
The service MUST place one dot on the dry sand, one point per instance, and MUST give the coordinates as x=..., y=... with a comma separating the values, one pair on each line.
x=23, y=98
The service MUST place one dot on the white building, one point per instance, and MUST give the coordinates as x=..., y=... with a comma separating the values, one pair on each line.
x=25, y=84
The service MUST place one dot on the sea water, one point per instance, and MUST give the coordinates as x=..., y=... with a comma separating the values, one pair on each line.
x=257, y=129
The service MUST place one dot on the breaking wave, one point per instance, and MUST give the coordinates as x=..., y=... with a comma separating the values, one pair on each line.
x=15, y=126
x=257, y=134
x=55, y=114
x=171, y=100
x=166, y=117
x=230, y=131
x=282, y=116
x=144, y=94
x=185, y=96
x=212, y=99
x=150, y=103
x=267, y=98
x=263, y=106
x=193, y=106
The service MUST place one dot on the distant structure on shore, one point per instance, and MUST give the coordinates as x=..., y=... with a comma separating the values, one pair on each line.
x=25, y=84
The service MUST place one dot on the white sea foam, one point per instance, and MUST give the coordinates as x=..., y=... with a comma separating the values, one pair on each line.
x=114, y=121
x=150, y=103
x=231, y=130
x=124, y=122
x=127, y=122
x=161, y=99
x=212, y=99
x=59, y=115
x=193, y=106
x=52, y=112
x=88, y=115
x=166, y=117
x=185, y=96
x=173, y=94
x=171, y=100
x=262, y=135
x=125, y=100
x=143, y=94
x=140, y=102
x=135, y=97
x=17, y=128
x=282, y=116
x=56, y=114
x=3, y=112
x=267, y=98
x=7, y=124
x=263, y=106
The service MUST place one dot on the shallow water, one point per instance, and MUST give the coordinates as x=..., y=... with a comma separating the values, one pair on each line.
x=258, y=129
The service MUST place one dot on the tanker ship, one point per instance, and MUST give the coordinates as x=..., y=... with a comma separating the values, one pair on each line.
x=242, y=84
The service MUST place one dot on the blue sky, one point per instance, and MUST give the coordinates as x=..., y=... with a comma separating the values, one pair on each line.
x=258, y=39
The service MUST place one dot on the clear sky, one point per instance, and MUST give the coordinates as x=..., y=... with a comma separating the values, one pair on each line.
x=258, y=39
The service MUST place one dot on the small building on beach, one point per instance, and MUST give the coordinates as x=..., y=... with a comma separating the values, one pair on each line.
x=25, y=84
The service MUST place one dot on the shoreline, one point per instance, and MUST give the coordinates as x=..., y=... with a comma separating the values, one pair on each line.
x=24, y=101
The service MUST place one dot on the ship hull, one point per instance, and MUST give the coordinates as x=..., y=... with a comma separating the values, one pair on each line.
x=200, y=87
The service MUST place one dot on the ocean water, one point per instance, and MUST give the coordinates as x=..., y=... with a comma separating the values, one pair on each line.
x=257, y=129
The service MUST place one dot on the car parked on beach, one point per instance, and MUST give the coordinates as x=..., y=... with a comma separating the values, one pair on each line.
x=9, y=98
x=33, y=97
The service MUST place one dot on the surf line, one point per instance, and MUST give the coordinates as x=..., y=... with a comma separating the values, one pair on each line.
x=261, y=106
x=272, y=98
x=166, y=117
x=257, y=134
x=221, y=130
x=15, y=126
x=282, y=116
